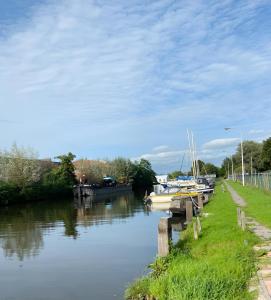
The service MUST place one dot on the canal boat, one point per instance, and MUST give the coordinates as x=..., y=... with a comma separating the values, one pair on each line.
x=169, y=197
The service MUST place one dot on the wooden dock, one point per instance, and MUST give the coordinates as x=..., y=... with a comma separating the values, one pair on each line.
x=180, y=204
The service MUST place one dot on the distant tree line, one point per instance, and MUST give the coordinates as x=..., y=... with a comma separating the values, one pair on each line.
x=23, y=177
x=204, y=169
x=138, y=173
x=257, y=158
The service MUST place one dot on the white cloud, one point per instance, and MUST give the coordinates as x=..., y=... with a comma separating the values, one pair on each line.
x=218, y=144
x=255, y=131
x=161, y=148
x=99, y=78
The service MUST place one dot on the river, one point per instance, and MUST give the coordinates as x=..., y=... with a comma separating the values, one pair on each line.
x=67, y=250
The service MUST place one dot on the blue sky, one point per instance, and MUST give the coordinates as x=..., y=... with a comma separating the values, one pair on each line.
x=109, y=78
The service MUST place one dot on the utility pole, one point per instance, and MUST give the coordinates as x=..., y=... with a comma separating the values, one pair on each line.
x=232, y=177
x=251, y=165
x=228, y=170
x=242, y=156
x=243, y=168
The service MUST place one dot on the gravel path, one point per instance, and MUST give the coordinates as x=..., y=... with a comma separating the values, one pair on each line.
x=236, y=198
x=264, y=233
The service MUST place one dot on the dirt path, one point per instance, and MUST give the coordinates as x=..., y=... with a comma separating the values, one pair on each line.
x=264, y=233
x=236, y=198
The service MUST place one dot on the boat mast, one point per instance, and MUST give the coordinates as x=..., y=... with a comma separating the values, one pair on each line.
x=191, y=153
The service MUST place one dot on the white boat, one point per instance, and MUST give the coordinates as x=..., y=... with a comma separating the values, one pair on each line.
x=169, y=197
x=160, y=198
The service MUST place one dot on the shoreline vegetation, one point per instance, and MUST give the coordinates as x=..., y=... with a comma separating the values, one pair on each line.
x=25, y=178
x=219, y=265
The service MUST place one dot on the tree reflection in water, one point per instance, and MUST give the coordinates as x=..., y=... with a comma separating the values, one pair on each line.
x=22, y=227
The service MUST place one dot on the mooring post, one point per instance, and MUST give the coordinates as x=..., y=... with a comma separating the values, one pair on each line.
x=195, y=231
x=198, y=224
x=189, y=210
x=79, y=191
x=243, y=220
x=200, y=201
x=164, y=236
x=239, y=216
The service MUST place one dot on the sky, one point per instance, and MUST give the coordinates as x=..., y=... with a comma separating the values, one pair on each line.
x=128, y=78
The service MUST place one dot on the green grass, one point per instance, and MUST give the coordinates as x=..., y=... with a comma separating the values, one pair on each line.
x=258, y=202
x=217, y=266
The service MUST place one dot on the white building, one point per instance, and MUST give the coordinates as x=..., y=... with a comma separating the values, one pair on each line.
x=162, y=178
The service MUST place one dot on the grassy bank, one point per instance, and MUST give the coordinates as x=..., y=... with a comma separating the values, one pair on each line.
x=258, y=202
x=217, y=266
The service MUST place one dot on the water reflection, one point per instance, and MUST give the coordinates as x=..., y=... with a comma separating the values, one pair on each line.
x=104, y=210
x=22, y=227
x=72, y=248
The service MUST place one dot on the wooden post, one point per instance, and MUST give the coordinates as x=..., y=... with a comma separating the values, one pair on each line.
x=198, y=225
x=239, y=216
x=200, y=201
x=79, y=191
x=189, y=211
x=164, y=236
x=195, y=231
x=243, y=220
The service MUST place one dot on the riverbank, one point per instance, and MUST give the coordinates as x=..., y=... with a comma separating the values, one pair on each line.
x=258, y=202
x=217, y=266
x=13, y=194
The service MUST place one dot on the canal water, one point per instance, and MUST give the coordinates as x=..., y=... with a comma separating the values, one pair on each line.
x=88, y=250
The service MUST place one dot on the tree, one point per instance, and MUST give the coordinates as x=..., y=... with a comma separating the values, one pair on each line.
x=175, y=174
x=121, y=169
x=251, y=150
x=211, y=169
x=63, y=174
x=143, y=174
x=266, y=154
x=20, y=166
x=225, y=169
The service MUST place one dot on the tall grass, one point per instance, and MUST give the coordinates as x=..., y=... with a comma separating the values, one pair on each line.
x=217, y=266
x=258, y=202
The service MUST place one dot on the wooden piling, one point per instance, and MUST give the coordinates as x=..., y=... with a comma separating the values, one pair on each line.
x=164, y=236
x=239, y=216
x=200, y=201
x=195, y=231
x=198, y=225
x=189, y=210
x=243, y=220
x=79, y=191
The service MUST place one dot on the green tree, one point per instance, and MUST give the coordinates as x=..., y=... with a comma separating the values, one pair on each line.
x=211, y=169
x=20, y=166
x=175, y=174
x=252, y=151
x=143, y=174
x=121, y=169
x=266, y=154
x=64, y=174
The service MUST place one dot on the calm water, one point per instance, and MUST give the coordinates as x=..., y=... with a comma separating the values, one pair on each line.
x=69, y=250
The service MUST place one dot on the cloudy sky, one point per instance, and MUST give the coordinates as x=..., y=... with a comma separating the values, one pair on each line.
x=108, y=78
